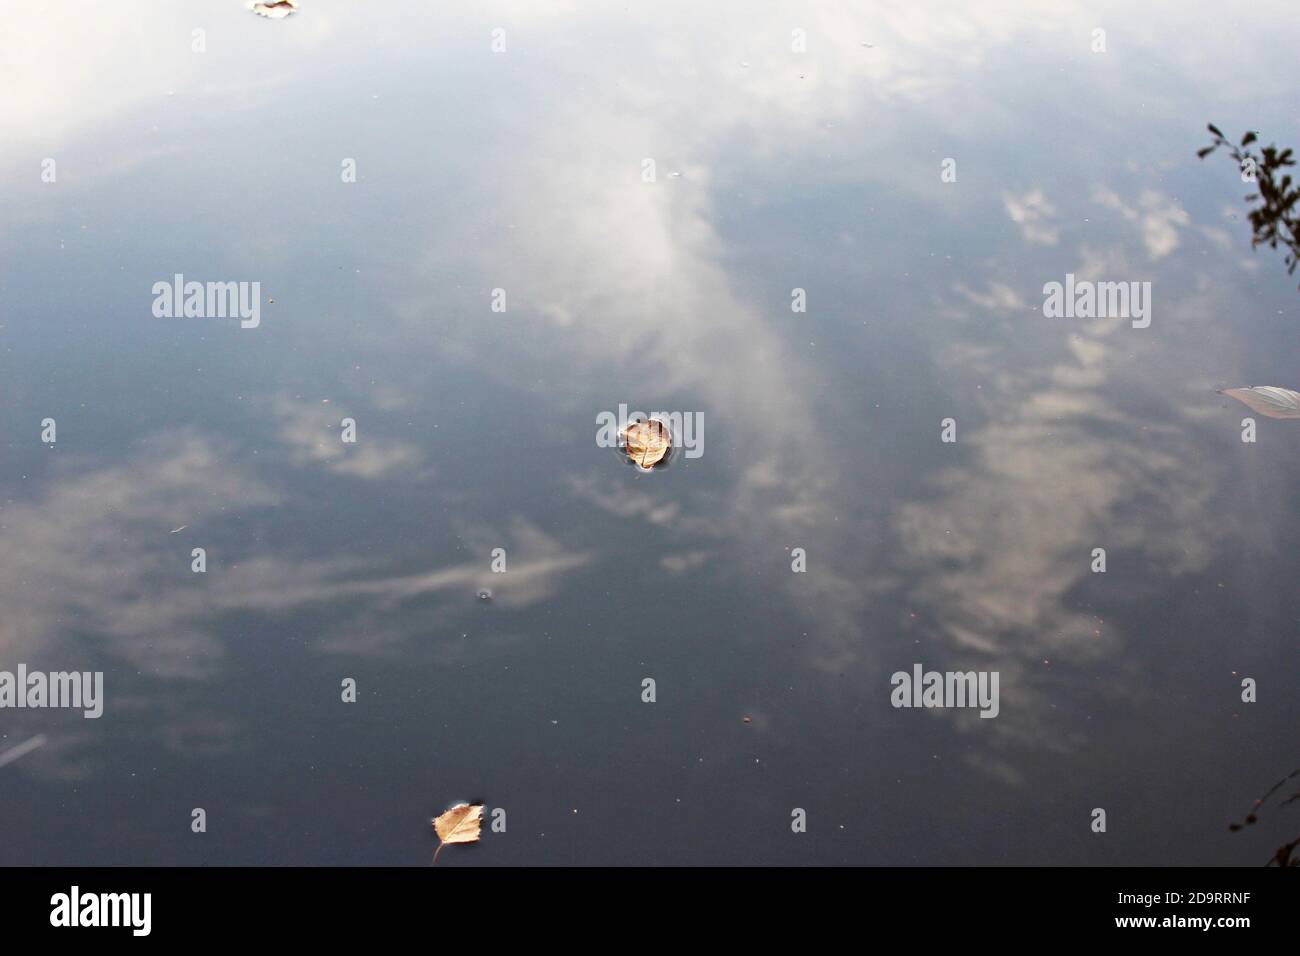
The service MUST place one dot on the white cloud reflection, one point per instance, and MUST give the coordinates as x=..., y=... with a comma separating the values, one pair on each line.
x=94, y=580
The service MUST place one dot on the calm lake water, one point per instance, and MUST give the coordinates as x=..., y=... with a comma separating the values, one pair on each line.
x=648, y=185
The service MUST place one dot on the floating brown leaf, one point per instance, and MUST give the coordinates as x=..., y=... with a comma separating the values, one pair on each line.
x=1267, y=400
x=460, y=824
x=645, y=443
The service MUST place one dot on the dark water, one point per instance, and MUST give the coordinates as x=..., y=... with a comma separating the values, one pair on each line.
x=522, y=170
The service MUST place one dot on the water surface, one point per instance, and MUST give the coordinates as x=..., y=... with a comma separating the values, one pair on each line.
x=523, y=170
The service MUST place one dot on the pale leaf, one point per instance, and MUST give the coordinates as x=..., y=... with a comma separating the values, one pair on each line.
x=273, y=9
x=1267, y=400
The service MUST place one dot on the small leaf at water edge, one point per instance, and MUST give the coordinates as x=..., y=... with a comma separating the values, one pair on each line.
x=274, y=9
x=1267, y=400
x=460, y=824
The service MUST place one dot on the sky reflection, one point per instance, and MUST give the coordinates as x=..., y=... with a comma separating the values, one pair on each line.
x=522, y=171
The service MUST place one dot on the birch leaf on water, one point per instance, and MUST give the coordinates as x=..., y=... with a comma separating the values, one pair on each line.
x=460, y=824
x=646, y=443
x=1267, y=400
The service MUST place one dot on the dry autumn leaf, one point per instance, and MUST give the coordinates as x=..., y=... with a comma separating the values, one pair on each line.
x=460, y=824
x=1267, y=400
x=647, y=443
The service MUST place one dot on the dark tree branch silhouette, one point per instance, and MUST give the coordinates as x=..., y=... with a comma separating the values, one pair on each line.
x=1276, y=219
x=1286, y=854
